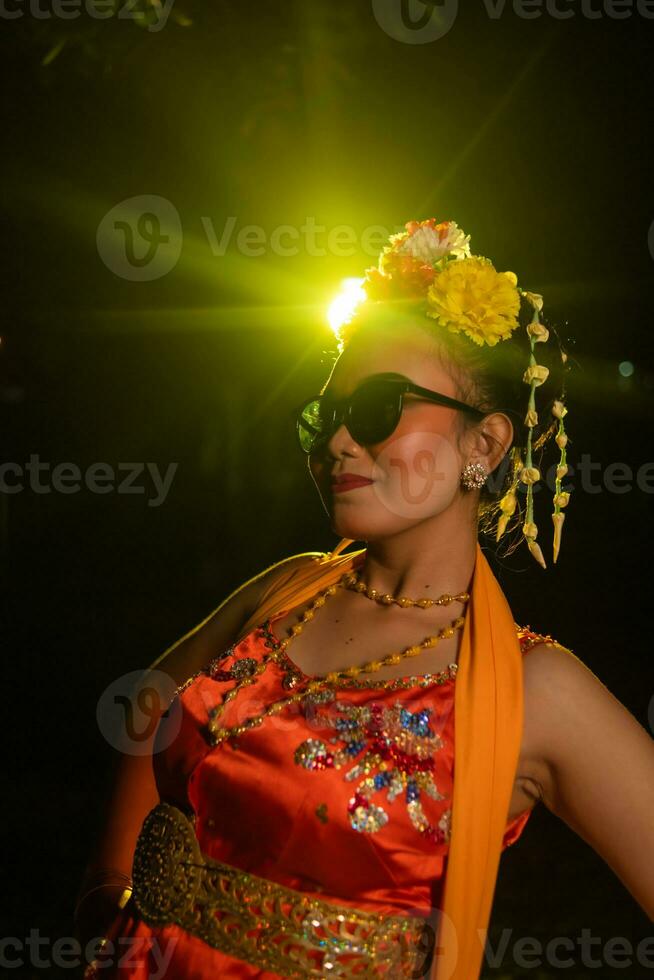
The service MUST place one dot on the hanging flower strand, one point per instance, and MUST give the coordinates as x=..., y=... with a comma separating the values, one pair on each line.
x=561, y=497
x=534, y=376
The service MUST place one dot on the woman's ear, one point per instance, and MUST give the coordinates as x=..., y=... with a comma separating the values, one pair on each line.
x=493, y=438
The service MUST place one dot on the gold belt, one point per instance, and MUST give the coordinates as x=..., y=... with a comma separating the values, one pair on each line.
x=260, y=921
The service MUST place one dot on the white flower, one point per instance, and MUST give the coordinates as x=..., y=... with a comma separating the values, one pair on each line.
x=427, y=245
x=458, y=243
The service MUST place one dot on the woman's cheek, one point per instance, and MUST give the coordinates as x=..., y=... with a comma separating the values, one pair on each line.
x=416, y=474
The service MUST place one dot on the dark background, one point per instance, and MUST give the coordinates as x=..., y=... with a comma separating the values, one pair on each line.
x=530, y=133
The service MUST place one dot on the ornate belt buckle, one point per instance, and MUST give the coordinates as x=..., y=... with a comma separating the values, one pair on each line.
x=167, y=868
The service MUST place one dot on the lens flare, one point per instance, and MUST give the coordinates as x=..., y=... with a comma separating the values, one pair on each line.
x=342, y=308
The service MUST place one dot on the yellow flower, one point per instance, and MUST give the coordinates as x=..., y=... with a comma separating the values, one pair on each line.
x=537, y=373
x=507, y=506
x=470, y=296
x=503, y=520
x=530, y=474
x=561, y=499
x=561, y=440
x=558, y=520
x=531, y=418
x=530, y=530
x=535, y=299
x=539, y=332
x=559, y=409
x=508, y=503
x=535, y=550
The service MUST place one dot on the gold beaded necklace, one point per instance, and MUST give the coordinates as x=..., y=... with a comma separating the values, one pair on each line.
x=219, y=734
x=352, y=581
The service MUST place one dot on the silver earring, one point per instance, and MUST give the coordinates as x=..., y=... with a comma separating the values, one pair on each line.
x=474, y=476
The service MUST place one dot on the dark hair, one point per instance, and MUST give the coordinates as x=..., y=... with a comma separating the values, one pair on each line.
x=489, y=378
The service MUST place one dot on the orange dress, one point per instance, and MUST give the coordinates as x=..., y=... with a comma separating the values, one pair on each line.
x=345, y=795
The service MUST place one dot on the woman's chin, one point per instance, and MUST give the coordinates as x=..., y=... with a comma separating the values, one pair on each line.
x=347, y=526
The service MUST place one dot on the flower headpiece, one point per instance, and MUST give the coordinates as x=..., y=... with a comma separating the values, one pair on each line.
x=464, y=293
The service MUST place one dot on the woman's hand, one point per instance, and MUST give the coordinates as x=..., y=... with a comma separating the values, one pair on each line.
x=96, y=911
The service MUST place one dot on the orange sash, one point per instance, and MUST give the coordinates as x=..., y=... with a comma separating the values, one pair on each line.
x=488, y=712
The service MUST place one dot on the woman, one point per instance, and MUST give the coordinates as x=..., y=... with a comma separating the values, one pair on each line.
x=298, y=814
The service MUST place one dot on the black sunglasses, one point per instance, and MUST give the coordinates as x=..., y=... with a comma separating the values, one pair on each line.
x=371, y=413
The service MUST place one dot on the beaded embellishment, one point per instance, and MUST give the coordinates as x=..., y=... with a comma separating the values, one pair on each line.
x=212, y=669
x=528, y=638
x=396, y=749
x=244, y=670
x=293, y=676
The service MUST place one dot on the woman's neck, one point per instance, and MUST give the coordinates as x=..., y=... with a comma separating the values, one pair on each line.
x=419, y=565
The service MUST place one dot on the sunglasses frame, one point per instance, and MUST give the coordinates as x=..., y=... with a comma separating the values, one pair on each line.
x=343, y=406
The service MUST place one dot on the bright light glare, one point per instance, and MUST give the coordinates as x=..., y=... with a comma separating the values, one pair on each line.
x=342, y=309
x=626, y=369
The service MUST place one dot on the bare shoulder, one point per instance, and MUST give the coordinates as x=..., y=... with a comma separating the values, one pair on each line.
x=557, y=687
x=214, y=633
x=549, y=658
x=555, y=675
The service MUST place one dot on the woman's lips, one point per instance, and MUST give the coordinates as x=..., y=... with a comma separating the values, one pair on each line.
x=350, y=483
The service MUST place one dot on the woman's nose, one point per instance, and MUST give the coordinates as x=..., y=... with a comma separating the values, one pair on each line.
x=342, y=441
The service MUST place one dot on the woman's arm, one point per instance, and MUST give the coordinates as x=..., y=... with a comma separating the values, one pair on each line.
x=597, y=765
x=131, y=792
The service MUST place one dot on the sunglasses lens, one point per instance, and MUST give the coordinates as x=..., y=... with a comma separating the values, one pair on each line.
x=376, y=409
x=311, y=428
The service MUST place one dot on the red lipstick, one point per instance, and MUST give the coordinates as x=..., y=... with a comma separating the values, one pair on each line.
x=349, y=481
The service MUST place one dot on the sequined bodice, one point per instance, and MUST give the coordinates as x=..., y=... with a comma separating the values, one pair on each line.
x=346, y=792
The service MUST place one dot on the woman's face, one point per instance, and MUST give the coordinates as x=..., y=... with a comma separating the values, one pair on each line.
x=415, y=472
